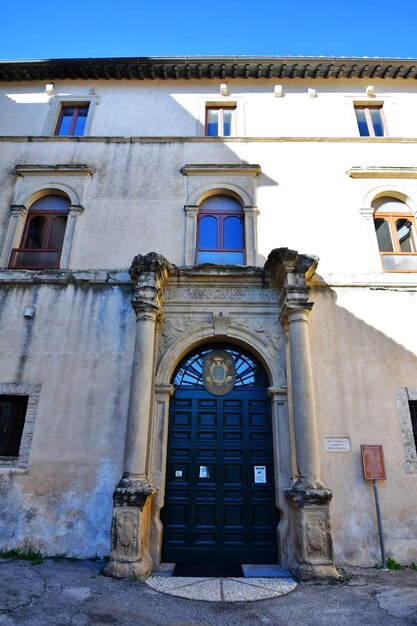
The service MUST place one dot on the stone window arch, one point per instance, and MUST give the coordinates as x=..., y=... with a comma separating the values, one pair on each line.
x=396, y=234
x=235, y=181
x=220, y=231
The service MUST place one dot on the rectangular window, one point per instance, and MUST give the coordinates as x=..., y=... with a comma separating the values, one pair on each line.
x=413, y=414
x=220, y=121
x=71, y=121
x=370, y=120
x=12, y=419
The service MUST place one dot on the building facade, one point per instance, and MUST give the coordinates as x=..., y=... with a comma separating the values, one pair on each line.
x=208, y=294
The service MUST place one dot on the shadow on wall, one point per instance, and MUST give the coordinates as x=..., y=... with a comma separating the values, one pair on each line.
x=357, y=370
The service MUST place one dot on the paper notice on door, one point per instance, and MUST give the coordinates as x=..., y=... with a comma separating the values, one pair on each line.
x=204, y=472
x=260, y=473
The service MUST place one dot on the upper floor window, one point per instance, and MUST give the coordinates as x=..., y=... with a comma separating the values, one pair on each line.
x=396, y=235
x=220, y=121
x=43, y=235
x=220, y=233
x=413, y=414
x=371, y=122
x=71, y=120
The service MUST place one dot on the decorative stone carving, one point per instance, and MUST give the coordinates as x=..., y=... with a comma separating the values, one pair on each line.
x=174, y=327
x=221, y=323
x=220, y=294
x=150, y=273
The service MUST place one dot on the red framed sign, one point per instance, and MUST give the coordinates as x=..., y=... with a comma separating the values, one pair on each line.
x=373, y=462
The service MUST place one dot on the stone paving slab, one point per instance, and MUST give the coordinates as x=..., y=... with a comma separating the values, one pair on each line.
x=222, y=589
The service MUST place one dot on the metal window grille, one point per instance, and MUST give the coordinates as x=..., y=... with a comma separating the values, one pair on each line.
x=12, y=419
x=413, y=413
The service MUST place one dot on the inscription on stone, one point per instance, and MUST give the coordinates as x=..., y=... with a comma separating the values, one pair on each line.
x=337, y=444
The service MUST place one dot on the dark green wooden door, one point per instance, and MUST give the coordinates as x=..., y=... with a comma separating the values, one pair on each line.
x=219, y=496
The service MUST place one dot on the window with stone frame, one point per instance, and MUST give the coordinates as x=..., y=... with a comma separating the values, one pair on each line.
x=12, y=419
x=413, y=415
x=220, y=120
x=220, y=231
x=395, y=229
x=371, y=121
x=72, y=120
x=43, y=235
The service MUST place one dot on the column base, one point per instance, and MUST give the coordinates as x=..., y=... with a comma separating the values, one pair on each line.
x=312, y=557
x=129, y=554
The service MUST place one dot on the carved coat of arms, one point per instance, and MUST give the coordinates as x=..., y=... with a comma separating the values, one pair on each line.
x=219, y=372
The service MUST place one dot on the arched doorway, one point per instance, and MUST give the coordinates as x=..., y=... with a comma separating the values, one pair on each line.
x=220, y=494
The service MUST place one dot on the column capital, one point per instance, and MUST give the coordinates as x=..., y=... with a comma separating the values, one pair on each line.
x=295, y=311
x=367, y=212
x=133, y=491
x=191, y=209
x=283, y=263
x=75, y=209
x=164, y=390
x=17, y=209
x=150, y=272
x=277, y=394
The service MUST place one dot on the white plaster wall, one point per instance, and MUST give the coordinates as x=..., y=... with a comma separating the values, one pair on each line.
x=79, y=348
x=364, y=348
x=79, y=345
x=176, y=108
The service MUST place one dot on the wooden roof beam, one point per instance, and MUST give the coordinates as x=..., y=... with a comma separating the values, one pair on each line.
x=259, y=71
x=234, y=70
x=386, y=71
x=271, y=71
x=211, y=70
x=247, y=68
x=223, y=70
x=409, y=71
x=294, y=69
x=164, y=72
x=188, y=71
x=363, y=71
x=199, y=71
x=151, y=72
x=398, y=70
x=176, y=72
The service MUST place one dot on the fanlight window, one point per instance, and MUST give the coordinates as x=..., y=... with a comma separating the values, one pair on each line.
x=249, y=372
x=44, y=233
x=396, y=235
x=220, y=237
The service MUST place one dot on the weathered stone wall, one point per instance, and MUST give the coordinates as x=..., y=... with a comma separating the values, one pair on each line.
x=78, y=348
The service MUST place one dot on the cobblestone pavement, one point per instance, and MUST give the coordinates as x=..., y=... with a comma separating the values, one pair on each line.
x=66, y=593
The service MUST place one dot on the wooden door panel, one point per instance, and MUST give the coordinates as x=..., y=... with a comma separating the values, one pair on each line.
x=214, y=510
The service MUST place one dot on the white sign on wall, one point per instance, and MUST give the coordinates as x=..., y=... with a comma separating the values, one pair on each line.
x=260, y=473
x=337, y=444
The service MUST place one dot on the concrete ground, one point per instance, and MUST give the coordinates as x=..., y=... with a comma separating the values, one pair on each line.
x=66, y=593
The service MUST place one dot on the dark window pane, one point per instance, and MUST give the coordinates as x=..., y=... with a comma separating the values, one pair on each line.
x=51, y=203
x=232, y=233
x=35, y=232
x=12, y=419
x=362, y=124
x=35, y=259
x=208, y=233
x=212, y=123
x=80, y=122
x=413, y=413
x=56, y=237
x=220, y=202
x=224, y=257
x=383, y=235
x=405, y=236
x=227, y=122
x=66, y=121
x=377, y=122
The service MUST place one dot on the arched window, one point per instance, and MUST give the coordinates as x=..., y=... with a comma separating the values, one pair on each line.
x=396, y=234
x=43, y=236
x=220, y=234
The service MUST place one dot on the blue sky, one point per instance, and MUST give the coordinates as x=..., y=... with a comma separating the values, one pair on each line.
x=89, y=28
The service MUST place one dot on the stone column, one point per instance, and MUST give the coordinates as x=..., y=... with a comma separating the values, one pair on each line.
x=251, y=214
x=134, y=494
x=12, y=238
x=367, y=214
x=74, y=211
x=312, y=554
x=191, y=212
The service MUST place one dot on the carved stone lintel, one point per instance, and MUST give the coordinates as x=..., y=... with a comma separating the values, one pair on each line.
x=221, y=323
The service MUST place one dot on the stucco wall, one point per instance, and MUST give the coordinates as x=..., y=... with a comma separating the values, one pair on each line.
x=78, y=347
